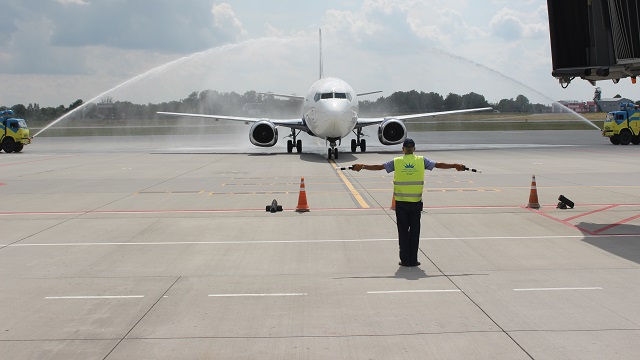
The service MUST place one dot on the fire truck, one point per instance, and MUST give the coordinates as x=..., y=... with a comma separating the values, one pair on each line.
x=623, y=126
x=14, y=133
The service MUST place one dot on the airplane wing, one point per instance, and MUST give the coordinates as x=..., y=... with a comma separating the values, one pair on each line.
x=290, y=123
x=362, y=122
x=283, y=95
x=369, y=93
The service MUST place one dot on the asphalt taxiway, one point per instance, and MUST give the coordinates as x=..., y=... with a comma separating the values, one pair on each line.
x=161, y=248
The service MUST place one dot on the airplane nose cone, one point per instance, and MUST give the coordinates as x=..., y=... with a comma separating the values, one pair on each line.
x=337, y=119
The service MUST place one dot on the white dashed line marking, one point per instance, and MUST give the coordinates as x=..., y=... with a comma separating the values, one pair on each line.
x=556, y=289
x=96, y=297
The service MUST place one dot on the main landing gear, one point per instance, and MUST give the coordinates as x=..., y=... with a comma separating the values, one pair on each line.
x=362, y=143
x=294, y=142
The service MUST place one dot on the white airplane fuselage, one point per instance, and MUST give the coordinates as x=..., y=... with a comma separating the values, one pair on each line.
x=330, y=109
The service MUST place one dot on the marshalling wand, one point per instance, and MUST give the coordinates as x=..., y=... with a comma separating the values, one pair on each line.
x=472, y=170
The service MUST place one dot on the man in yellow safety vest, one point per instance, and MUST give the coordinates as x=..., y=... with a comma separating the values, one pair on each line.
x=408, y=183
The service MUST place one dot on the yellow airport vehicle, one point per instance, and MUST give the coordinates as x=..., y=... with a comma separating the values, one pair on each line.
x=14, y=133
x=623, y=126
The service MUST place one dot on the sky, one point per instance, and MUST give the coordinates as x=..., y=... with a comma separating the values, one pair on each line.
x=54, y=52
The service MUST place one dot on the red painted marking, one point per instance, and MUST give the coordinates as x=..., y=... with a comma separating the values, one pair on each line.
x=211, y=211
x=590, y=212
x=561, y=221
x=597, y=232
x=195, y=211
x=89, y=212
x=611, y=226
x=1, y=184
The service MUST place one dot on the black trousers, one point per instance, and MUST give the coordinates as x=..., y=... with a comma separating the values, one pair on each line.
x=408, y=219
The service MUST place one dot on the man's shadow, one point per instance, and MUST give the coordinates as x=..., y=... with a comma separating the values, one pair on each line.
x=411, y=273
x=408, y=273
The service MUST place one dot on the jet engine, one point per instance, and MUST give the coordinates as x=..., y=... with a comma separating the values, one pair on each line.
x=392, y=132
x=263, y=133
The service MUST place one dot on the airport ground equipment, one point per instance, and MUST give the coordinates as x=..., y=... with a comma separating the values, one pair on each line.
x=274, y=207
x=623, y=126
x=564, y=203
x=14, y=133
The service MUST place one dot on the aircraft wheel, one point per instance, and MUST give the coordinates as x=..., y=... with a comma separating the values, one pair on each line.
x=615, y=139
x=335, y=153
x=299, y=146
x=354, y=145
x=289, y=146
x=625, y=137
x=363, y=145
x=329, y=154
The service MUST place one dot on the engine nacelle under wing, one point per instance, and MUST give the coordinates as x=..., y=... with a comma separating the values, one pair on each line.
x=392, y=132
x=263, y=133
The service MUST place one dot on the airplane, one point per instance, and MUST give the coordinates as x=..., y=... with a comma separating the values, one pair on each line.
x=330, y=112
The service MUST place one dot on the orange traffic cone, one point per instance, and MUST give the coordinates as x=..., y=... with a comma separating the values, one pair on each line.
x=533, y=195
x=302, y=198
x=393, y=202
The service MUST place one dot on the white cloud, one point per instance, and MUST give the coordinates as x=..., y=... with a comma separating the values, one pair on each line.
x=83, y=46
x=443, y=26
x=512, y=25
x=226, y=21
x=272, y=31
x=350, y=23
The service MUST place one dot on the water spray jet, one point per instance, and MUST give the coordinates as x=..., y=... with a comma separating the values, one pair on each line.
x=460, y=58
x=152, y=72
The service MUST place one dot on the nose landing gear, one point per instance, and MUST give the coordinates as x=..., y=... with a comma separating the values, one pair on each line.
x=333, y=150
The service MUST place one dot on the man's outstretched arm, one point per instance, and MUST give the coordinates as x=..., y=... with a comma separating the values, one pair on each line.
x=459, y=167
x=358, y=167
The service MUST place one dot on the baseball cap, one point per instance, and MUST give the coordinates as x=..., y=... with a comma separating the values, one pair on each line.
x=408, y=143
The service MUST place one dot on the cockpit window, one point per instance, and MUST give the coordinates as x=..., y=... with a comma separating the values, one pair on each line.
x=335, y=95
x=316, y=97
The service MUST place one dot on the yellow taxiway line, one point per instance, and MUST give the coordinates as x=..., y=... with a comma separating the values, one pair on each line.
x=363, y=204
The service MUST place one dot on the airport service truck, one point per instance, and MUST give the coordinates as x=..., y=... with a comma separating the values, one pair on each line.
x=14, y=133
x=623, y=126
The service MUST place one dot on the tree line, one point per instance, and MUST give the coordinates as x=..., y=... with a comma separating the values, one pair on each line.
x=256, y=104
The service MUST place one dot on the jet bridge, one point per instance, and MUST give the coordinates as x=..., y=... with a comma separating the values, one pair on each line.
x=594, y=39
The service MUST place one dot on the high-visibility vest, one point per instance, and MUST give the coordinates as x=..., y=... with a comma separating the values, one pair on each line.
x=408, y=178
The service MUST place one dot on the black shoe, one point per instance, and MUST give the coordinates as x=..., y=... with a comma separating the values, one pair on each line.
x=407, y=265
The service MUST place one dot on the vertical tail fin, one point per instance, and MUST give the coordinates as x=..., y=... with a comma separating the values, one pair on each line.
x=321, y=69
